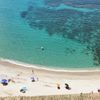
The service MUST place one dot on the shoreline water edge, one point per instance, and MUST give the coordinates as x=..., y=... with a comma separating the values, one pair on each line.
x=48, y=68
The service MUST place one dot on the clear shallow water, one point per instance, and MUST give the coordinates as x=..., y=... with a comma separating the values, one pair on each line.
x=22, y=42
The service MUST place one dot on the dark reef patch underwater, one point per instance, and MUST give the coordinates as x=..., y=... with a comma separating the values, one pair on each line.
x=78, y=20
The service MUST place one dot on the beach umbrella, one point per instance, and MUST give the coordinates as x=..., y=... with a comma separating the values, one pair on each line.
x=34, y=78
x=23, y=89
x=4, y=81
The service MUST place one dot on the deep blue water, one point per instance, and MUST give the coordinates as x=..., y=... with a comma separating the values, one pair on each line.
x=54, y=33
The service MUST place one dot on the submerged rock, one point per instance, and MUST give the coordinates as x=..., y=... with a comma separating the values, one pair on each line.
x=79, y=26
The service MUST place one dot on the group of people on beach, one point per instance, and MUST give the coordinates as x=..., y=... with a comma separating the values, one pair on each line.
x=5, y=81
x=23, y=89
x=66, y=86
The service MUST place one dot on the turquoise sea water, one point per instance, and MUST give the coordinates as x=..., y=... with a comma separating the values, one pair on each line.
x=19, y=41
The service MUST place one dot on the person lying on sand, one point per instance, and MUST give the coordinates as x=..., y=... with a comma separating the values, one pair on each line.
x=67, y=86
x=11, y=80
x=58, y=86
x=98, y=90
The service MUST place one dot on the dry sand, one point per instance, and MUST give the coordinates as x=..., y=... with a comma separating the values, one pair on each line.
x=79, y=81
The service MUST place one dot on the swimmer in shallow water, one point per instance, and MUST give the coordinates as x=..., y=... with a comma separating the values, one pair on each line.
x=42, y=48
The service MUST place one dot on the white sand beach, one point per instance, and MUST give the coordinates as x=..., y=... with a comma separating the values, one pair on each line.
x=79, y=81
